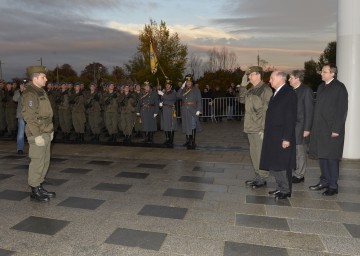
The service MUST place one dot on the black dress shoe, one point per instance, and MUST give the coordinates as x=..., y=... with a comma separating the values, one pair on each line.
x=297, y=180
x=318, y=187
x=330, y=192
x=46, y=193
x=282, y=195
x=37, y=195
x=250, y=182
x=274, y=192
x=20, y=152
x=259, y=184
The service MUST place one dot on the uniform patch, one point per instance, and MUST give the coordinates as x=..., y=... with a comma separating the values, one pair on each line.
x=30, y=103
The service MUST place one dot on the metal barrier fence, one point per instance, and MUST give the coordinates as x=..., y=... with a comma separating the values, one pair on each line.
x=218, y=108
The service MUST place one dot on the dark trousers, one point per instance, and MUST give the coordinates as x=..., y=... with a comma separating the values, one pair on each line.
x=329, y=172
x=283, y=180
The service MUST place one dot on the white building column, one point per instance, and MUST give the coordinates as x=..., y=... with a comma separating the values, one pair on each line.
x=348, y=63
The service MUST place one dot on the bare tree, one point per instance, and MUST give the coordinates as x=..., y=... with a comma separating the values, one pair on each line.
x=221, y=60
x=195, y=66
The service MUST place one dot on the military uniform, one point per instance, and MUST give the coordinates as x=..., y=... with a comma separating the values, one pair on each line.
x=256, y=100
x=93, y=110
x=128, y=111
x=2, y=111
x=64, y=114
x=110, y=105
x=78, y=115
x=38, y=114
x=148, y=108
x=191, y=106
x=10, y=112
x=168, y=115
x=53, y=96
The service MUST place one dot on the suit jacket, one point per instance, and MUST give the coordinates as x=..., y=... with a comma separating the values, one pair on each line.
x=305, y=109
x=280, y=124
x=329, y=116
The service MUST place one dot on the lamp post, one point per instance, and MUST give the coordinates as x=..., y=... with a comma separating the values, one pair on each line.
x=94, y=66
x=1, y=70
x=40, y=61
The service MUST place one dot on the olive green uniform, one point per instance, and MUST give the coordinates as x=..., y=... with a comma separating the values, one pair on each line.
x=128, y=112
x=10, y=112
x=38, y=114
x=64, y=112
x=93, y=110
x=110, y=105
x=78, y=112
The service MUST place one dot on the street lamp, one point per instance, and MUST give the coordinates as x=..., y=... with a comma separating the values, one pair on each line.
x=1, y=69
x=40, y=61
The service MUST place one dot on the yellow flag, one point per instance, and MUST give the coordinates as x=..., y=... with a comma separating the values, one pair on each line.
x=153, y=59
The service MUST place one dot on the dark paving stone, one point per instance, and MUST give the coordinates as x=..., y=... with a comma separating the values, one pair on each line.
x=137, y=238
x=163, y=211
x=236, y=249
x=41, y=225
x=152, y=166
x=350, y=190
x=82, y=203
x=5, y=176
x=112, y=187
x=100, y=162
x=4, y=252
x=208, y=169
x=349, y=207
x=184, y=193
x=262, y=222
x=57, y=160
x=206, y=180
x=135, y=175
x=14, y=157
x=353, y=229
x=21, y=167
x=250, y=199
x=13, y=195
x=76, y=170
x=54, y=182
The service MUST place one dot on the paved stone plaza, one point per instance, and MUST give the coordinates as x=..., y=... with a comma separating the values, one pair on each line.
x=116, y=200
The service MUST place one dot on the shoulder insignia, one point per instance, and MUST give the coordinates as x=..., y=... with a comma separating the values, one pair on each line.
x=30, y=103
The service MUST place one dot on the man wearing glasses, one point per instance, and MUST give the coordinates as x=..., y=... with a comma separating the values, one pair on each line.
x=328, y=130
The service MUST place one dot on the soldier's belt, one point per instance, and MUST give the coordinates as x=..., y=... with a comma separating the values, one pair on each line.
x=147, y=105
x=189, y=103
x=169, y=105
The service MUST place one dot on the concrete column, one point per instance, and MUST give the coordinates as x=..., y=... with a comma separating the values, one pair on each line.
x=348, y=63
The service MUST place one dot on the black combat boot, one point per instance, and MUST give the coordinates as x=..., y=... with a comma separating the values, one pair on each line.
x=151, y=137
x=82, y=139
x=167, y=138
x=172, y=138
x=45, y=192
x=189, y=145
x=187, y=141
x=37, y=195
x=146, y=137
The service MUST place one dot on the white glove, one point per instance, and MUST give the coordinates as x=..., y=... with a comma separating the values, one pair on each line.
x=52, y=136
x=261, y=135
x=39, y=141
x=244, y=81
x=138, y=114
x=160, y=93
x=197, y=113
x=183, y=85
x=160, y=104
x=155, y=115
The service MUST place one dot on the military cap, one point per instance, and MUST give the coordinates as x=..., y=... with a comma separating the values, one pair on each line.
x=77, y=83
x=147, y=83
x=254, y=69
x=188, y=77
x=36, y=69
x=168, y=81
x=92, y=84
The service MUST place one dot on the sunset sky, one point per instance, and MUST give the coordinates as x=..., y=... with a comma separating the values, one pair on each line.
x=285, y=32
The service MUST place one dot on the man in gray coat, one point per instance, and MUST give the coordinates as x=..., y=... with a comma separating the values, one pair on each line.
x=328, y=130
x=305, y=108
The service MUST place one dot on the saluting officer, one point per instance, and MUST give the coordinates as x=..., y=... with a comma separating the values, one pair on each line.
x=37, y=113
x=190, y=111
x=148, y=109
x=168, y=113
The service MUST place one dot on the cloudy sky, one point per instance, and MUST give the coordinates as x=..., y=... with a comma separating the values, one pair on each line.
x=78, y=32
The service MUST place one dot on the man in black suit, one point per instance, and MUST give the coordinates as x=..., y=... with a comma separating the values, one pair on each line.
x=278, y=152
x=328, y=130
x=305, y=107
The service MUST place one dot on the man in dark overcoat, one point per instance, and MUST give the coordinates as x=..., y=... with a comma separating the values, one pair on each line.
x=278, y=153
x=328, y=130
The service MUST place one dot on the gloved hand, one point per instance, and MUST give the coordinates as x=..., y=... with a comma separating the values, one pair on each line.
x=244, y=81
x=197, y=113
x=52, y=136
x=155, y=115
x=160, y=104
x=183, y=85
x=138, y=114
x=160, y=93
x=39, y=141
x=261, y=135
